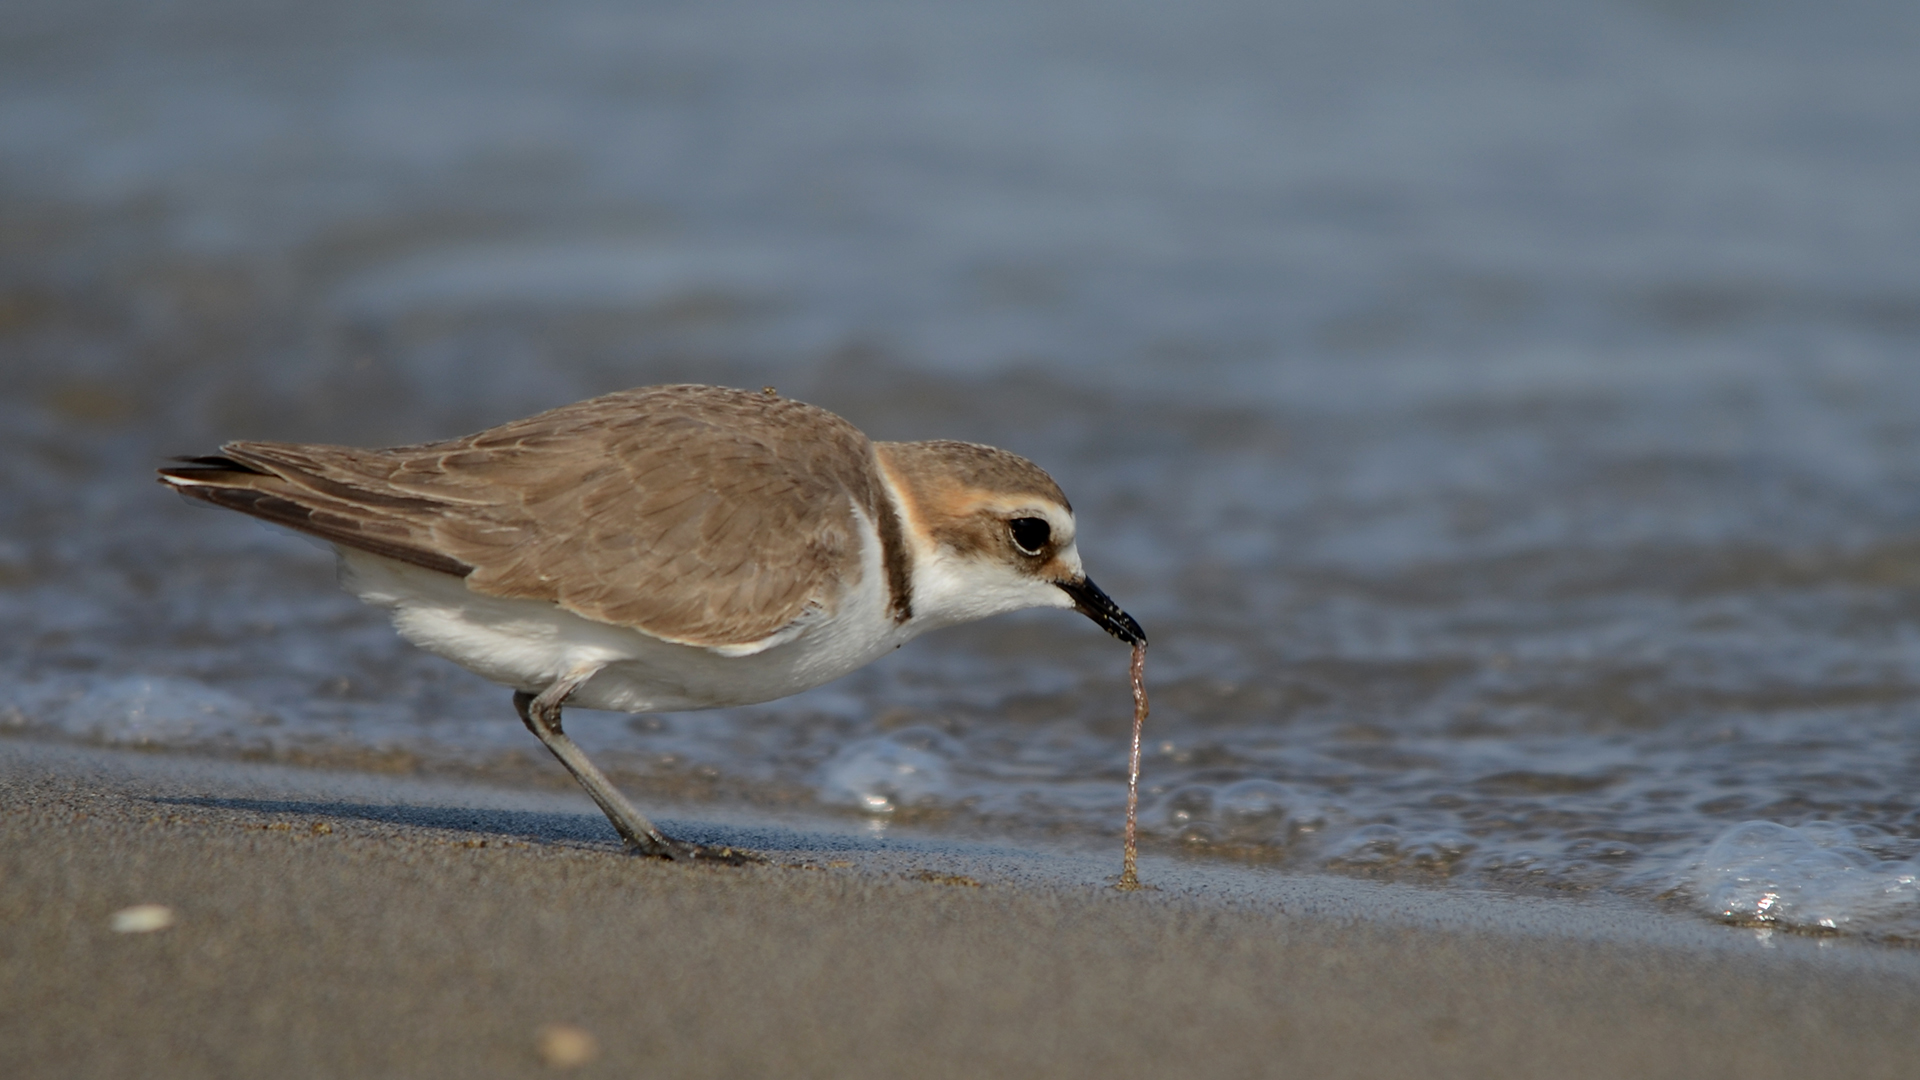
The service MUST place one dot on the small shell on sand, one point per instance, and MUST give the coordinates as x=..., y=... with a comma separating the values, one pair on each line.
x=564, y=1046
x=142, y=919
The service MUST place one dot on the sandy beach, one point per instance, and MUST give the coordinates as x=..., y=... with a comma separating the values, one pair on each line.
x=347, y=925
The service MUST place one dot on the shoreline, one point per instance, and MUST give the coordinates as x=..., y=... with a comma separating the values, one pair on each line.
x=343, y=924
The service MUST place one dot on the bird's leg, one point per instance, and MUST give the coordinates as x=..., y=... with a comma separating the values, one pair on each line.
x=541, y=713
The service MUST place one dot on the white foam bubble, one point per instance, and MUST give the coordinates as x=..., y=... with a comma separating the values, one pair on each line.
x=1368, y=845
x=1820, y=875
x=1260, y=809
x=908, y=767
x=137, y=710
x=1386, y=847
x=1254, y=811
x=1186, y=813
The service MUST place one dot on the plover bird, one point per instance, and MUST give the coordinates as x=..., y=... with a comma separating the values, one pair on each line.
x=669, y=548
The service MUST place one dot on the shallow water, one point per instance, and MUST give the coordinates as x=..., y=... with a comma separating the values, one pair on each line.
x=1502, y=419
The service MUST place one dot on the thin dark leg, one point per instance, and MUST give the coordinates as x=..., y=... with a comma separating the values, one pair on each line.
x=541, y=714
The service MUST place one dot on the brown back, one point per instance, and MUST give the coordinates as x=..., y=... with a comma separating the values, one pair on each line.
x=698, y=514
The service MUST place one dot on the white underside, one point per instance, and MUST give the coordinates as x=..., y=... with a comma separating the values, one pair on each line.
x=530, y=645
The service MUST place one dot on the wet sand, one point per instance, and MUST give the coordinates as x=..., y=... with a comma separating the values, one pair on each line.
x=347, y=925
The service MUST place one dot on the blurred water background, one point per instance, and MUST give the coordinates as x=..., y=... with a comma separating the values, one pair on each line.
x=1503, y=416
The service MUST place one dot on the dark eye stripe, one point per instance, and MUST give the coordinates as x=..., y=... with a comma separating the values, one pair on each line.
x=1030, y=534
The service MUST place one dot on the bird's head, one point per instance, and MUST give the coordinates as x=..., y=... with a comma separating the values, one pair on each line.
x=991, y=532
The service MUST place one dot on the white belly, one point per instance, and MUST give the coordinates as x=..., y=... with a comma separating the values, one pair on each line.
x=530, y=644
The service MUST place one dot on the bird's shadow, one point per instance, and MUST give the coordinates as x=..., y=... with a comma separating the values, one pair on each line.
x=544, y=827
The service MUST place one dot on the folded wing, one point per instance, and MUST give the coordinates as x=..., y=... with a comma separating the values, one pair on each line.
x=699, y=515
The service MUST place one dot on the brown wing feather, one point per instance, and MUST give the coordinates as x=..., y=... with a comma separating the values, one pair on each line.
x=246, y=482
x=698, y=514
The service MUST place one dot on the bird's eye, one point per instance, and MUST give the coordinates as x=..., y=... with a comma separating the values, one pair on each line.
x=1030, y=534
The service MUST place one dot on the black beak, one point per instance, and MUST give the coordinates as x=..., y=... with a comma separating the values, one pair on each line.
x=1088, y=600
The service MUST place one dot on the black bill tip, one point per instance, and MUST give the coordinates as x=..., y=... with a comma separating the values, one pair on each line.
x=1088, y=600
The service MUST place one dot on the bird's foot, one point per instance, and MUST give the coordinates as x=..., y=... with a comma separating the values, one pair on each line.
x=712, y=854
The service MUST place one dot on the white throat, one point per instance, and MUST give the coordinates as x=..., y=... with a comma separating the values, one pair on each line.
x=951, y=588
